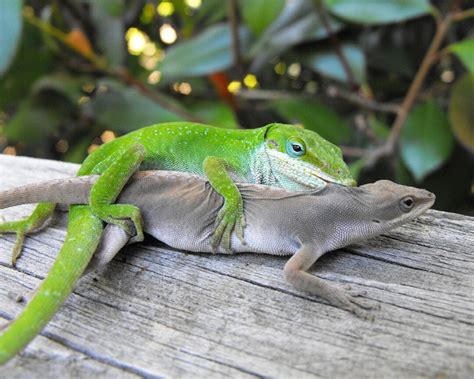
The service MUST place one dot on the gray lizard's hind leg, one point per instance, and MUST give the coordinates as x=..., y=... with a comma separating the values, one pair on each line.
x=113, y=240
x=295, y=274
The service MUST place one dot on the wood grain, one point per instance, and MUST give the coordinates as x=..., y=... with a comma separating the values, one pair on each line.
x=158, y=312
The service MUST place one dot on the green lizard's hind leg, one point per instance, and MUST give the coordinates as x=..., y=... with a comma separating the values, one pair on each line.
x=231, y=216
x=34, y=222
x=109, y=185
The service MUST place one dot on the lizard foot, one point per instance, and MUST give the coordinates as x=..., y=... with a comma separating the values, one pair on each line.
x=20, y=228
x=26, y=226
x=230, y=218
x=350, y=300
x=127, y=216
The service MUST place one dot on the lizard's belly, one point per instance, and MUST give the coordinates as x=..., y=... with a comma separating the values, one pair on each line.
x=183, y=216
x=186, y=234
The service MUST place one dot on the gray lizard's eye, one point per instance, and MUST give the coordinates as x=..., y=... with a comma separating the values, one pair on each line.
x=295, y=148
x=407, y=203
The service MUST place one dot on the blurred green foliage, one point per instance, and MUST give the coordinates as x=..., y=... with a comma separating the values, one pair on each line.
x=75, y=73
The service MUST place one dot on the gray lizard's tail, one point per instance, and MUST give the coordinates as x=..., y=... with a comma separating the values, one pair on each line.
x=74, y=190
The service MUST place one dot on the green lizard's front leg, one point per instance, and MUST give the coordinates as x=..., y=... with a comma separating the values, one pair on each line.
x=231, y=215
x=34, y=222
x=109, y=185
x=83, y=236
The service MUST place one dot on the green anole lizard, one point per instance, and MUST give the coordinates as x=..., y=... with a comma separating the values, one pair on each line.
x=179, y=208
x=277, y=154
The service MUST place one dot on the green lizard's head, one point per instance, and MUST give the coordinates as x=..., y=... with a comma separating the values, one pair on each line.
x=301, y=158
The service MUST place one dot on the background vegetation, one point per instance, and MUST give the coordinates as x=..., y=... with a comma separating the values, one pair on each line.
x=390, y=81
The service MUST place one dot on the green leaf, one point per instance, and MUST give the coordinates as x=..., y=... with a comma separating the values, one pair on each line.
x=327, y=63
x=378, y=11
x=114, y=8
x=461, y=111
x=78, y=152
x=258, y=14
x=32, y=123
x=120, y=108
x=426, y=140
x=31, y=62
x=214, y=113
x=110, y=30
x=316, y=117
x=204, y=54
x=210, y=11
x=10, y=30
x=67, y=86
x=465, y=52
x=296, y=23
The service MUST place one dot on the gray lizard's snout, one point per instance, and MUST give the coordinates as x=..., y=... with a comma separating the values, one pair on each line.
x=427, y=196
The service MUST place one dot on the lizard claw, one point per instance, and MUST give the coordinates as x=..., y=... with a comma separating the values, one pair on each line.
x=230, y=218
x=27, y=225
x=221, y=236
x=20, y=228
x=16, y=252
x=352, y=302
x=126, y=216
x=239, y=229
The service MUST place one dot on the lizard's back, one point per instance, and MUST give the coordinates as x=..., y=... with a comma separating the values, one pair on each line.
x=180, y=146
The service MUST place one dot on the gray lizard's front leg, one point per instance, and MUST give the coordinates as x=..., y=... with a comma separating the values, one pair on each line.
x=295, y=274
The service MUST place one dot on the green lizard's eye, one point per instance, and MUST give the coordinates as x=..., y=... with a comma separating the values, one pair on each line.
x=295, y=149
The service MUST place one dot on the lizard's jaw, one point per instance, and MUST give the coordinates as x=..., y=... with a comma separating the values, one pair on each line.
x=296, y=174
x=329, y=179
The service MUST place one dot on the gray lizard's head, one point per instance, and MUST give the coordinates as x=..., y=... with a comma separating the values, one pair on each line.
x=356, y=214
x=336, y=216
x=387, y=205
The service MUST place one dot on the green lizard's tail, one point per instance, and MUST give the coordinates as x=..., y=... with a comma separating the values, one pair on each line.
x=83, y=237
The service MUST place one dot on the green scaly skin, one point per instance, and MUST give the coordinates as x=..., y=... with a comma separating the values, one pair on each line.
x=263, y=156
x=83, y=237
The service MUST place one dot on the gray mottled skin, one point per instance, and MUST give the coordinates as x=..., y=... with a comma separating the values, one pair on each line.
x=179, y=209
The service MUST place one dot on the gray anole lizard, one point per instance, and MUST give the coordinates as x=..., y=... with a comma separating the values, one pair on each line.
x=179, y=209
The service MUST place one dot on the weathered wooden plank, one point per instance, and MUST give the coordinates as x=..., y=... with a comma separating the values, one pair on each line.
x=158, y=312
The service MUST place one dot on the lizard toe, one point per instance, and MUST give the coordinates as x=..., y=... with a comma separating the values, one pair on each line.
x=354, y=292
x=350, y=301
x=226, y=238
x=239, y=231
x=16, y=252
x=365, y=303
